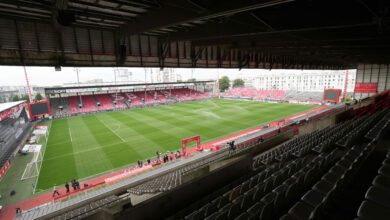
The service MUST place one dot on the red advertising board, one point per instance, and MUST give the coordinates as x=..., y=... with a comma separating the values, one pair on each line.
x=9, y=112
x=365, y=87
x=3, y=170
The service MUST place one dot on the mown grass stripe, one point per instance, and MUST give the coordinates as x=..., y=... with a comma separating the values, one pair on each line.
x=109, y=140
x=56, y=172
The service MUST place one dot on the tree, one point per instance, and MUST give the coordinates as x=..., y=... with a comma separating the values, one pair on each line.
x=224, y=83
x=191, y=80
x=15, y=98
x=38, y=97
x=238, y=83
x=25, y=97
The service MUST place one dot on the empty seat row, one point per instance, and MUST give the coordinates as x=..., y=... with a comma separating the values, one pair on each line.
x=376, y=131
x=174, y=178
x=314, y=202
x=318, y=141
x=377, y=199
x=361, y=128
x=268, y=190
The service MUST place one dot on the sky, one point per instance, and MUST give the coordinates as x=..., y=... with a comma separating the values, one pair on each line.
x=47, y=76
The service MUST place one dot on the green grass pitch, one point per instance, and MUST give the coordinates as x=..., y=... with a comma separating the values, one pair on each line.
x=83, y=146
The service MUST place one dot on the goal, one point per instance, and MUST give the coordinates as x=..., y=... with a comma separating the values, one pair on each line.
x=33, y=167
x=184, y=143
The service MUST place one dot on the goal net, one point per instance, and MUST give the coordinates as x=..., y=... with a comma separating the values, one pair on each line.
x=33, y=167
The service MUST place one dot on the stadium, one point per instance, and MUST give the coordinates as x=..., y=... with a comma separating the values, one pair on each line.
x=302, y=132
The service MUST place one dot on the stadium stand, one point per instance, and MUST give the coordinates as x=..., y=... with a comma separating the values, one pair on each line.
x=74, y=104
x=88, y=103
x=376, y=203
x=67, y=106
x=118, y=100
x=60, y=107
x=279, y=183
x=105, y=103
x=252, y=93
x=12, y=130
x=275, y=95
x=134, y=100
x=304, y=95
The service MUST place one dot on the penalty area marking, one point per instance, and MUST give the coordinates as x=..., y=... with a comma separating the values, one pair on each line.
x=111, y=129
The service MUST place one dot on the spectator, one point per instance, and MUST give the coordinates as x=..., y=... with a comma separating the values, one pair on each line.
x=67, y=187
x=232, y=147
x=148, y=161
x=55, y=192
x=77, y=184
x=170, y=156
x=158, y=155
x=73, y=182
x=18, y=211
x=261, y=139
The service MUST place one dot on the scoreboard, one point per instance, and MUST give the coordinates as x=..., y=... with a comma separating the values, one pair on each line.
x=332, y=95
x=39, y=109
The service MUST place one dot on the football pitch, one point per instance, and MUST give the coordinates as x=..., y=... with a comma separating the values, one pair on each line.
x=83, y=146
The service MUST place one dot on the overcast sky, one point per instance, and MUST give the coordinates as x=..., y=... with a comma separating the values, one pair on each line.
x=47, y=76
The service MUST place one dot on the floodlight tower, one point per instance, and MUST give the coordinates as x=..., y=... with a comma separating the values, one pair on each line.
x=77, y=70
x=116, y=70
x=28, y=84
x=345, y=84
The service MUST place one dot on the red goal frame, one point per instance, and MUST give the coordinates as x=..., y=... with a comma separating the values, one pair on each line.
x=184, y=143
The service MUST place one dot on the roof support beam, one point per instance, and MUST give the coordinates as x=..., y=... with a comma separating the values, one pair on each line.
x=171, y=13
x=251, y=36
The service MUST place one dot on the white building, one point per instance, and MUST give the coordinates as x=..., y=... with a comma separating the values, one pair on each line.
x=306, y=80
x=123, y=76
x=165, y=75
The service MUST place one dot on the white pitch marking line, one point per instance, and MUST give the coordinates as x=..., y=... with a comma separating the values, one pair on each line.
x=70, y=135
x=111, y=130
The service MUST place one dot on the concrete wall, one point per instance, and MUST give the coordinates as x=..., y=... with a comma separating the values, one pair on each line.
x=374, y=73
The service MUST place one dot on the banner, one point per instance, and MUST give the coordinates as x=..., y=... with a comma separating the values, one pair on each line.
x=12, y=112
x=365, y=87
x=3, y=170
